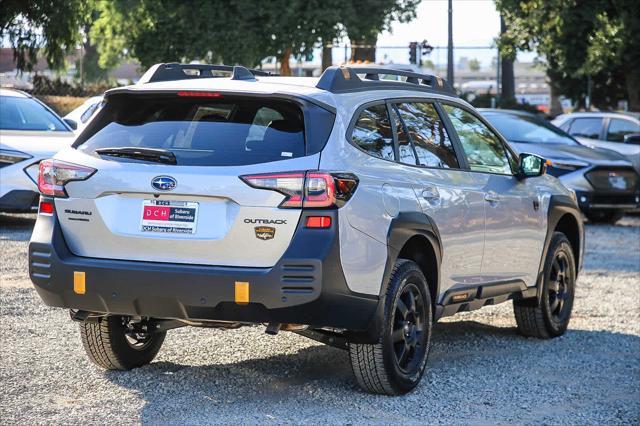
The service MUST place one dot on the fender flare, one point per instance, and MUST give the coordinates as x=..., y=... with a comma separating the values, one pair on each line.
x=401, y=229
x=559, y=206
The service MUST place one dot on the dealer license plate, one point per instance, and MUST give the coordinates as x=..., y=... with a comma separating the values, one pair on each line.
x=175, y=217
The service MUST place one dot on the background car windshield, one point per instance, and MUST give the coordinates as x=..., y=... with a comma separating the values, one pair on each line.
x=527, y=129
x=27, y=114
x=201, y=131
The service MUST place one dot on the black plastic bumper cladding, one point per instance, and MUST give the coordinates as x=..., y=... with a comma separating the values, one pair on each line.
x=307, y=286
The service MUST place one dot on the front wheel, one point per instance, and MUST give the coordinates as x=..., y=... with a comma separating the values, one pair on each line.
x=549, y=316
x=113, y=344
x=395, y=364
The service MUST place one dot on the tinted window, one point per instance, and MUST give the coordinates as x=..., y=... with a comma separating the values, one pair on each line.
x=483, y=149
x=27, y=114
x=586, y=127
x=524, y=129
x=201, y=131
x=618, y=128
x=429, y=137
x=372, y=132
x=405, y=149
x=89, y=112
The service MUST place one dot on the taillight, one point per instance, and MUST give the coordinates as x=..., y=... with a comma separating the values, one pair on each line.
x=307, y=189
x=193, y=94
x=55, y=174
x=318, y=222
x=46, y=207
x=288, y=184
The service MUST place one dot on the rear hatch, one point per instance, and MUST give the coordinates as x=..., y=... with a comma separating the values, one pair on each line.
x=168, y=187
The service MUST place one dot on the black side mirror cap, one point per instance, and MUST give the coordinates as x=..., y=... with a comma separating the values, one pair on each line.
x=531, y=165
x=71, y=123
x=632, y=138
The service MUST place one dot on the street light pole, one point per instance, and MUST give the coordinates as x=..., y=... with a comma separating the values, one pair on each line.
x=450, y=46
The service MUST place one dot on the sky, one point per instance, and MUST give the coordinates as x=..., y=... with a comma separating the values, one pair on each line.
x=475, y=23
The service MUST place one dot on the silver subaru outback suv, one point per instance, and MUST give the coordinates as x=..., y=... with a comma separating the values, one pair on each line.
x=351, y=209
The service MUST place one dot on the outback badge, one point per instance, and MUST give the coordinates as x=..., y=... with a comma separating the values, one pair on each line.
x=265, y=232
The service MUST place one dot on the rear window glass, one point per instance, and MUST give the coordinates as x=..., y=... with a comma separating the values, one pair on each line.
x=202, y=131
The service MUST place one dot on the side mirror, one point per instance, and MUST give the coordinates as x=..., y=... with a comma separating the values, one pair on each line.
x=632, y=138
x=71, y=123
x=530, y=165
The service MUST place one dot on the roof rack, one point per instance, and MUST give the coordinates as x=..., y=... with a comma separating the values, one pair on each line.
x=345, y=79
x=175, y=71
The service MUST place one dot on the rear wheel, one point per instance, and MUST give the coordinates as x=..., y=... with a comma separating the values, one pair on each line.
x=604, y=216
x=550, y=316
x=395, y=364
x=113, y=343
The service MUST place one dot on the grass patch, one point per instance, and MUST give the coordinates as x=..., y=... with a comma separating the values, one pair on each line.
x=62, y=104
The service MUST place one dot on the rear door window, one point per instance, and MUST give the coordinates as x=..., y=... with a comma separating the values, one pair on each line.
x=428, y=135
x=203, y=131
x=586, y=127
x=618, y=128
x=405, y=149
x=372, y=132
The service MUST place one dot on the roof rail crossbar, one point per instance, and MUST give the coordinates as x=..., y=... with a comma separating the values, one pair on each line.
x=346, y=79
x=175, y=71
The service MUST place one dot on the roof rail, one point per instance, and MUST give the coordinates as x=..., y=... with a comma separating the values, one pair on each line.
x=345, y=79
x=175, y=71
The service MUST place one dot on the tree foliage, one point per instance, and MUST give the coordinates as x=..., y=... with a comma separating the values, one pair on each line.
x=54, y=26
x=236, y=31
x=364, y=20
x=151, y=31
x=580, y=40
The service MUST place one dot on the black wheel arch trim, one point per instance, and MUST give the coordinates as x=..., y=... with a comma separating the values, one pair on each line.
x=403, y=227
x=560, y=206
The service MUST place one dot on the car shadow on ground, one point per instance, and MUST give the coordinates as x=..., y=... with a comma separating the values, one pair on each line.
x=321, y=375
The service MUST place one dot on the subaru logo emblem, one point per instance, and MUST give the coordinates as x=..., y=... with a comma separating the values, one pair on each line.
x=164, y=183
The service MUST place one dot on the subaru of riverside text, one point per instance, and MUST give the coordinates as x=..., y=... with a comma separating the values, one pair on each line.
x=351, y=209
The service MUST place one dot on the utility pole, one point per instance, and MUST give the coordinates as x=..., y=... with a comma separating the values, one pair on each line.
x=450, y=46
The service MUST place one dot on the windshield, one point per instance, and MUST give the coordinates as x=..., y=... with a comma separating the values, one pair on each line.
x=27, y=114
x=202, y=131
x=518, y=128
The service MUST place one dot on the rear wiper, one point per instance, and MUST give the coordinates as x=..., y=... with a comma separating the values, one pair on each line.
x=146, y=154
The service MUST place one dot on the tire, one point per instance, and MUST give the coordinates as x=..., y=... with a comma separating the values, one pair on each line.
x=382, y=368
x=109, y=346
x=550, y=317
x=604, y=216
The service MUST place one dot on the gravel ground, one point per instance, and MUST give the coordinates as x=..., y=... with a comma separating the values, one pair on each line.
x=480, y=371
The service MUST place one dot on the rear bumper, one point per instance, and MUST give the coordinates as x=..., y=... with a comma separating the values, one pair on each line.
x=307, y=286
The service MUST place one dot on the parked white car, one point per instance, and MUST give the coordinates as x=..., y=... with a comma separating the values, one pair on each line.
x=80, y=117
x=610, y=130
x=29, y=132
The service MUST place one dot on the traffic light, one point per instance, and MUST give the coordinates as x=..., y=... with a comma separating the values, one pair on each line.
x=425, y=48
x=413, y=52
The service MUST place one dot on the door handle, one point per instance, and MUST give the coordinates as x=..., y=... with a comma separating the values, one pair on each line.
x=430, y=194
x=491, y=197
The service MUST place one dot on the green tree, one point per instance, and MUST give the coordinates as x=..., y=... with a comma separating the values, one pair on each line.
x=364, y=20
x=238, y=31
x=580, y=41
x=54, y=26
x=474, y=65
